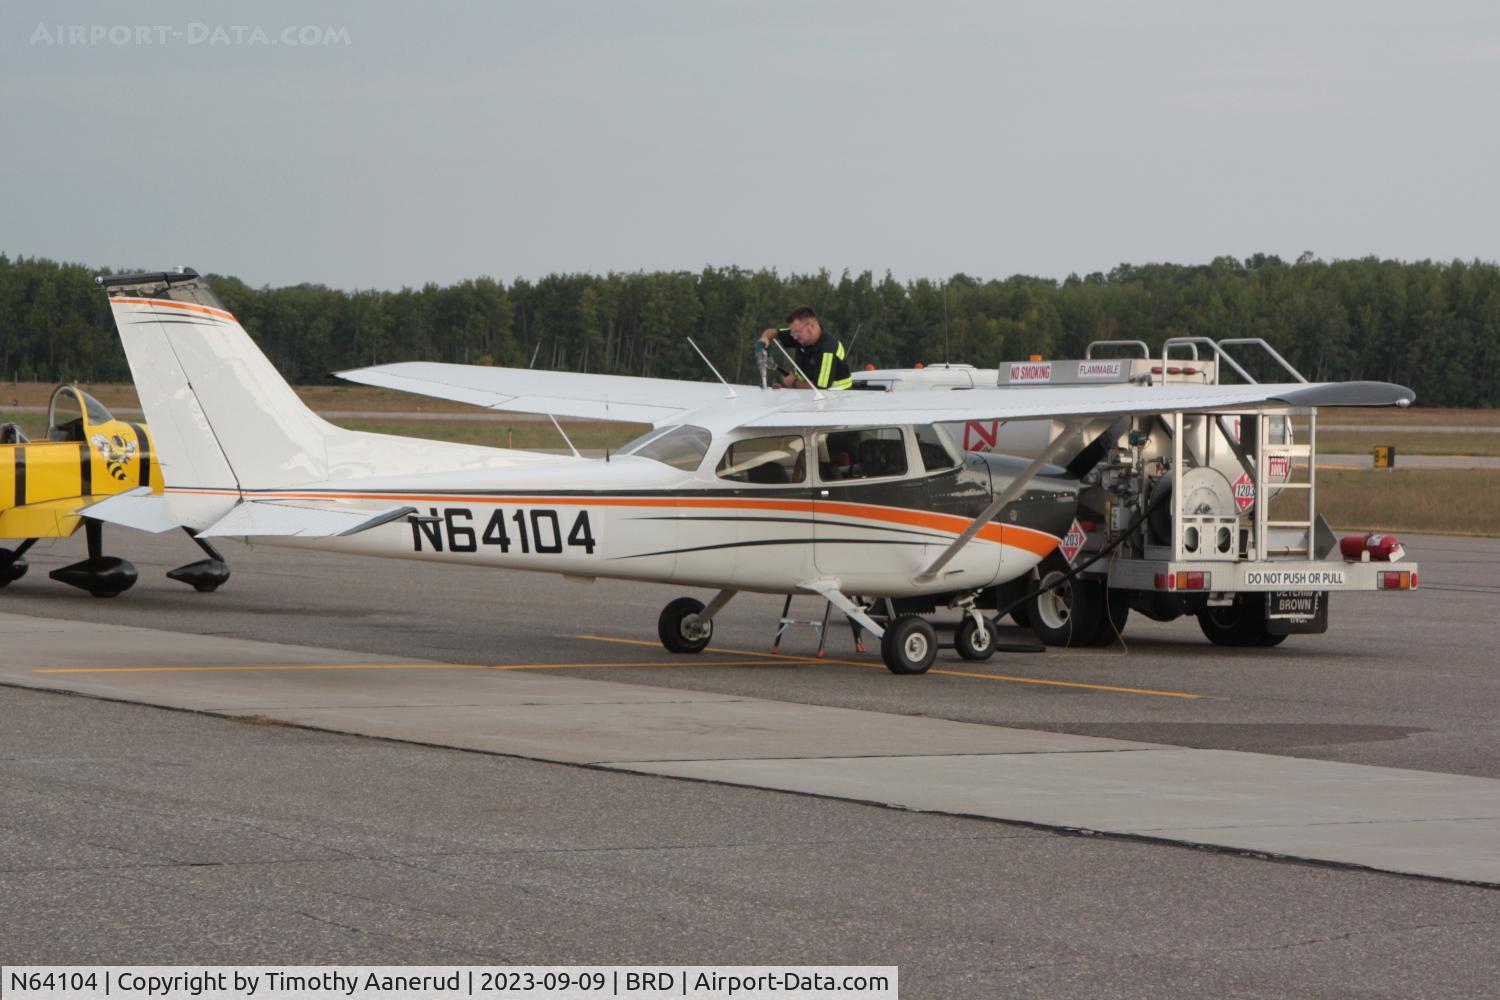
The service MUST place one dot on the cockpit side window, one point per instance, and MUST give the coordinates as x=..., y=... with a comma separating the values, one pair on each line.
x=770, y=461
x=867, y=453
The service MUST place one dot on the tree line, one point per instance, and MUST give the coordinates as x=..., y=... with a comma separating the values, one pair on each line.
x=1432, y=326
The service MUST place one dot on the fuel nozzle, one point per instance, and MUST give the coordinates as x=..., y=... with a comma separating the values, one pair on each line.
x=762, y=361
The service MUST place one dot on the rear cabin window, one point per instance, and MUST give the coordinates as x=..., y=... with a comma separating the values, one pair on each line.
x=938, y=453
x=768, y=461
x=868, y=453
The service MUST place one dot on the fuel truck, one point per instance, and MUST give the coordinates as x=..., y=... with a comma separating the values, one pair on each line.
x=1209, y=514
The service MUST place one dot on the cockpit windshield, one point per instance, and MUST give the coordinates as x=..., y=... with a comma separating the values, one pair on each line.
x=681, y=447
x=66, y=411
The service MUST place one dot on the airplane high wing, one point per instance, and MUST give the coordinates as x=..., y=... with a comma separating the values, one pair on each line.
x=659, y=401
x=560, y=394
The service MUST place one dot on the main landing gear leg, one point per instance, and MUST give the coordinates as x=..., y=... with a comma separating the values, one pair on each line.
x=686, y=626
x=13, y=563
x=908, y=645
x=205, y=575
x=100, y=575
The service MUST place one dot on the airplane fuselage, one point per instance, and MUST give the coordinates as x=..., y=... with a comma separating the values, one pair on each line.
x=635, y=519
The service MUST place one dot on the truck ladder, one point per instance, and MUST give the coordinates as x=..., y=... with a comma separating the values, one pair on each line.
x=1263, y=522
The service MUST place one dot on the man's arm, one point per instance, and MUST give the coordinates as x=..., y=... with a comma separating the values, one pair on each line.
x=788, y=379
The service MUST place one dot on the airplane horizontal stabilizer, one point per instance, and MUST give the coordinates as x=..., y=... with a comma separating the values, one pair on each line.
x=301, y=518
x=138, y=508
x=560, y=394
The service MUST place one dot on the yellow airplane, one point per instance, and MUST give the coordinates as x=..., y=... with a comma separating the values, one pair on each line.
x=46, y=487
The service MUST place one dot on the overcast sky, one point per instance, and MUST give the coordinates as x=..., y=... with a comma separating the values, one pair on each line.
x=434, y=142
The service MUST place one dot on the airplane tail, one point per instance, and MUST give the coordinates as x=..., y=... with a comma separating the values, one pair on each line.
x=225, y=422
x=223, y=418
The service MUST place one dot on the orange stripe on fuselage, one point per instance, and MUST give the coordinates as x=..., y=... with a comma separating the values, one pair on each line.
x=1037, y=542
x=190, y=307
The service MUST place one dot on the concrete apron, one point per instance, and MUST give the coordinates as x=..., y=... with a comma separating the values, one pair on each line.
x=1410, y=822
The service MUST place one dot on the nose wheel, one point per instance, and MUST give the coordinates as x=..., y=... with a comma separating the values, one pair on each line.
x=975, y=637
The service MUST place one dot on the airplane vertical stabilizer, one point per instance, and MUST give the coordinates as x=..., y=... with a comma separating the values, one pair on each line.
x=227, y=424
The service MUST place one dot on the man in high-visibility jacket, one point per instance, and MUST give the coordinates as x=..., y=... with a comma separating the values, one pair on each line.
x=817, y=352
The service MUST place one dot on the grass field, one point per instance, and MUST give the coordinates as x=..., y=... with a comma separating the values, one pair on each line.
x=1414, y=417
x=1410, y=442
x=498, y=433
x=1439, y=501
x=585, y=435
x=322, y=398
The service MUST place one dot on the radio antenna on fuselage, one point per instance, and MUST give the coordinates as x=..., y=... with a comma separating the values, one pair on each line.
x=946, y=360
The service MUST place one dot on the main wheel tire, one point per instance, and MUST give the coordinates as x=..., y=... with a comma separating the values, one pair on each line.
x=909, y=645
x=107, y=576
x=1242, y=623
x=12, y=567
x=975, y=640
x=1020, y=617
x=1066, y=612
x=678, y=630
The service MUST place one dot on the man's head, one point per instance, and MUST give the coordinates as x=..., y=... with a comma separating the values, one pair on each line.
x=803, y=323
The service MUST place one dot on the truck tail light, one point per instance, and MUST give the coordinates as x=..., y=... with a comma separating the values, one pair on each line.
x=1397, y=580
x=1184, y=580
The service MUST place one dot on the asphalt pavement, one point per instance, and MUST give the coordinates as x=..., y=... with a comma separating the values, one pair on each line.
x=137, y=834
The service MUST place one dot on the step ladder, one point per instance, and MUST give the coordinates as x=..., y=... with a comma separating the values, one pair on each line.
x=818, y=625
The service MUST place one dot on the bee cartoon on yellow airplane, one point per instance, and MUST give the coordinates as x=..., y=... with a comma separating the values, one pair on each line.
x=859, y=497
x=47, y=486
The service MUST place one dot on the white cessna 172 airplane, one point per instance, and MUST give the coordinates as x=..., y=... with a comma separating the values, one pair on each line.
x=856, y=496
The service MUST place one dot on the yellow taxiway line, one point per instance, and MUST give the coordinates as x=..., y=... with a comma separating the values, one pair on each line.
x=869, y=665
x=393, y=666
x=755, y=658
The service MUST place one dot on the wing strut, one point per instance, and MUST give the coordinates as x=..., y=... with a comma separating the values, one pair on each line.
x=829, y=589
x=1069, y=433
